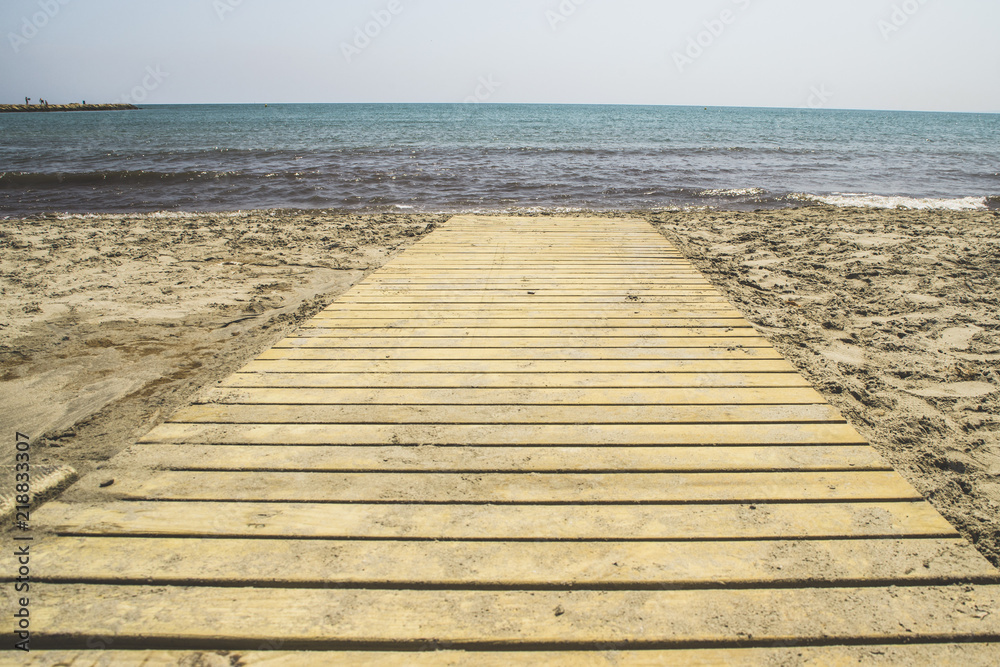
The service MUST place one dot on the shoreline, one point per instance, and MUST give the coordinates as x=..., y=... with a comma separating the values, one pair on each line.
x=112, y=322
x=990, y=207
x=987, y=204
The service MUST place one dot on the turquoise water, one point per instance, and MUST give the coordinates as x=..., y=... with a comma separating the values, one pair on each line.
x=492, y=157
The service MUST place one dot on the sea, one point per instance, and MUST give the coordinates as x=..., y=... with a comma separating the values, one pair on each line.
x=478, y=158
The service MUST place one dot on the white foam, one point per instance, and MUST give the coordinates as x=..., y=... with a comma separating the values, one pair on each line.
x=735, y=192
x=847, y=199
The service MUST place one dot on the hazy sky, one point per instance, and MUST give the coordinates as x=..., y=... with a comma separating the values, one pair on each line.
x=873, y=54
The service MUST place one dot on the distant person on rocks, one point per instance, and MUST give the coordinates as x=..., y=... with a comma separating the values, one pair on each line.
x=27, y=101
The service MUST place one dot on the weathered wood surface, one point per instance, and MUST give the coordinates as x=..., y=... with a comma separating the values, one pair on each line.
x=534, y=440
x=266, y=655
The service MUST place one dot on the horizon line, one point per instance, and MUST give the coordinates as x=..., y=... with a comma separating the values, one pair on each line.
x=509, y=104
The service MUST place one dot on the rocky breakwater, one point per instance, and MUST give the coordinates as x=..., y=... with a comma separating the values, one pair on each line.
x=28, y=108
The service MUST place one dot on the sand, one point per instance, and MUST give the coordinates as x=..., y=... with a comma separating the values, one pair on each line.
x=894, y=316
x=111, y=322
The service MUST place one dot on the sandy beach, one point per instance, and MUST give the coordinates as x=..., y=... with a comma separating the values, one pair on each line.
x=894, y=315
x=111, y=322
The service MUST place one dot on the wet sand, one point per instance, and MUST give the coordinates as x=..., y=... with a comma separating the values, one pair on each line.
x=112, y=322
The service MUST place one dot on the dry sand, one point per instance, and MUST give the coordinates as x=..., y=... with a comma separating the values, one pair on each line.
x=895, y=317
x=111, y=322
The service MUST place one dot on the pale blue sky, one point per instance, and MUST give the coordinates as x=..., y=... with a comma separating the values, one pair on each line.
x=872, y=54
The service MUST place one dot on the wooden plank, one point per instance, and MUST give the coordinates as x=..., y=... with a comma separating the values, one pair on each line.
x=941, y=654
x=522, y=282
x=524, y=244
x=429, y=252
x=577, y=397
x=649, y=244
x=577, y=294
x=512, y=233
x=502, y=312
x=516, y=380
x=690, y=304
x=667, y=267
x=530, y=242
x=466, y=297
x=511, y=237
x=416, y=300
x=69, y=615
x=319, y=328
x=565, y=260
x=649, y=279
x=719, y=522
x=543, y=285
x=555, y=254
x=637, y=248
x=539, y=435
x=566, y=263
x=513, y=271
x=645, y=270
x=485, y=322
x=532, y=286
x=401, y=300
x=545, y=274
x=534, y=342
x=667, y=278
x=527, y=287
x=629, y=256
x=446, y=254
x=518, y=354
x=560, y=263
x=501, y=366
x=431, y=262
x=608, y=565
x=599, y=266
x=498, y=459
x=504, y=414
x=515, y=488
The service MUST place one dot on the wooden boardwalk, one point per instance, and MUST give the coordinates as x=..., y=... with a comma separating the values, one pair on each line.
x=542, y=439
